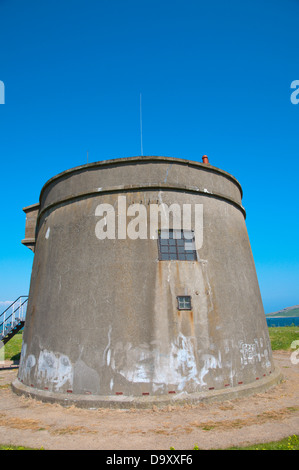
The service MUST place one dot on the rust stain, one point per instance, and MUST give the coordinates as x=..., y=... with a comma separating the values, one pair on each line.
x=186, y=322
x=160, y=269
x=177, y=271
x=191, y=322
x=160, y=274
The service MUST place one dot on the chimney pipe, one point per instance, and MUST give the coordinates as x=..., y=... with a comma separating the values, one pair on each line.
x=205, y=159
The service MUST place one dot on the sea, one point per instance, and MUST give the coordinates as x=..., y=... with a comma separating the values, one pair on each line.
x=282, y=321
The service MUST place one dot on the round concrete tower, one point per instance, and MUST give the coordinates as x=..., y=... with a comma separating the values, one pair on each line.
x=143, y=288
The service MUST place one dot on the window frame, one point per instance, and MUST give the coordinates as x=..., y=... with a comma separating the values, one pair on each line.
x=178, y=297
x=176, y=247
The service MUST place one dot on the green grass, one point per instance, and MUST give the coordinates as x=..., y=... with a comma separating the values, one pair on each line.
x=13, y=348
x=9, y=447
x=282, y=337
x=289, y=443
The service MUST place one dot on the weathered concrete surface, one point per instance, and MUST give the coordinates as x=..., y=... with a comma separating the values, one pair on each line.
x=30, y=227
x=144, y=402
x=102, y=317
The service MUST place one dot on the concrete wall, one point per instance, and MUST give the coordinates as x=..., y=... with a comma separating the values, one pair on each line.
x=30, y=226
x=102, y=316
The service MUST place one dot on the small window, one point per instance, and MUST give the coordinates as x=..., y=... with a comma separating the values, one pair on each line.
x=177, y=245
x=184, y=302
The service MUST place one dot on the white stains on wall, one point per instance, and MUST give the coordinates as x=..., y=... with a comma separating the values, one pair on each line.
x=53, y=369
x=267, y=362
x=107, y=350
x=26, y=363
x=178, y=366
x=133, y=363
x=86, y=379
x=210, y=362
x=111, y=384
x=47, y=233
x=147, y=363
x=253, y=353
x=249, y=354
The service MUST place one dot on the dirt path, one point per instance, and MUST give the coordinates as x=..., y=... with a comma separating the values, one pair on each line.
x=263, y=417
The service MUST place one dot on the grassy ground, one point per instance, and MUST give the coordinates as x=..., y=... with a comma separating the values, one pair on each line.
x=281, y=338
x=17, y=448
x=13, y=348
x=289, y=443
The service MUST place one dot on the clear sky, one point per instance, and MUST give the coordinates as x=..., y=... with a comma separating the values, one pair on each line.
x=215, y=79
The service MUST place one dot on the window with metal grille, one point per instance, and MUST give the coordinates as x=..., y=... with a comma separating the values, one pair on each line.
x=176, y=245
x=184, y=302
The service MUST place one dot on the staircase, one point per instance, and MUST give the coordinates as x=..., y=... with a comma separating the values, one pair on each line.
x=13, y=319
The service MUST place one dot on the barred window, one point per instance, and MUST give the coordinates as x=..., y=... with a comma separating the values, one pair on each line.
x=184, y=302
x=177, y=245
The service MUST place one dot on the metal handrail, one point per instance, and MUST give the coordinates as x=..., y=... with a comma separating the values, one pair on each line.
x=3, y=325
x=13, y=303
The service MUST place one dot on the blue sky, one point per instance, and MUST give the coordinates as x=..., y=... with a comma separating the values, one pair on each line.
x=215, y=79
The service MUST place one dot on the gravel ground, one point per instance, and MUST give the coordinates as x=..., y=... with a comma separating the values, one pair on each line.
x=263, y=417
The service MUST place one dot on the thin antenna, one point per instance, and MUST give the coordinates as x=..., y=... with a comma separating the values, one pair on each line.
x=141, y=126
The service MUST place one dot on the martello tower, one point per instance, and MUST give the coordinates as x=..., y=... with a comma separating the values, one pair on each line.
x=131, y=320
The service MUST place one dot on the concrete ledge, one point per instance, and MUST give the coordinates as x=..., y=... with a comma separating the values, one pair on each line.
x=125, y=402
x=136, y=188
x=143, y=160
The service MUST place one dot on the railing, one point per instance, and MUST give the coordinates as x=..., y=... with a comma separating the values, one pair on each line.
x=13, y=315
